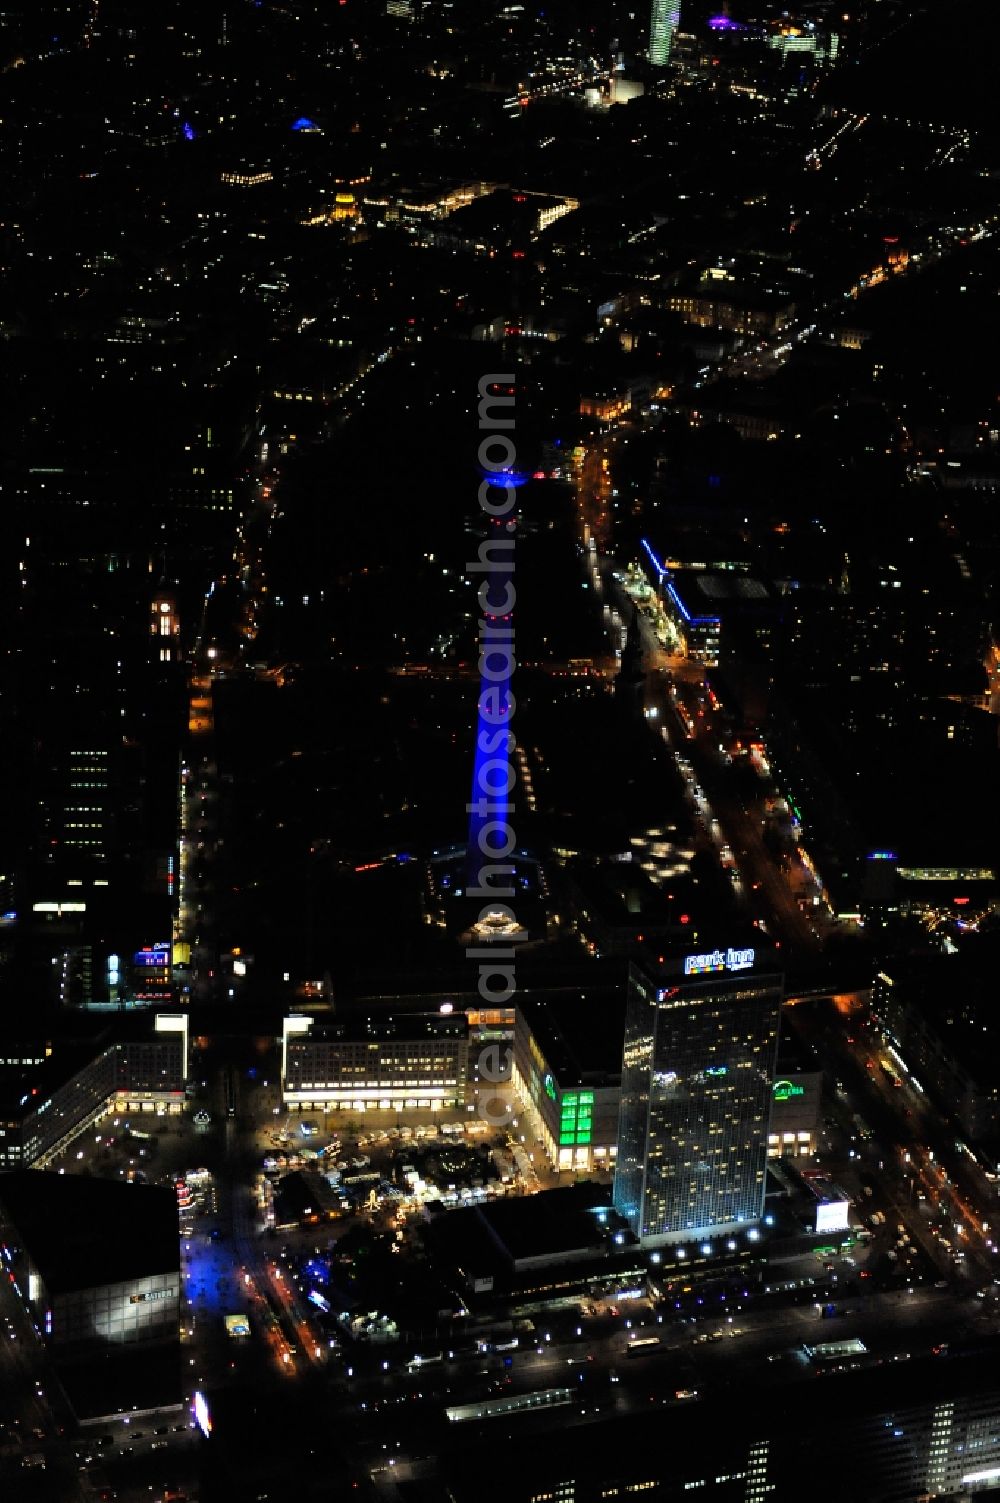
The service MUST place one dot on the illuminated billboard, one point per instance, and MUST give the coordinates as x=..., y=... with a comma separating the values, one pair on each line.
x=202, y=1418
x=153, y=955
x=833, y=1216
x=785, y=1090
x=718, y=960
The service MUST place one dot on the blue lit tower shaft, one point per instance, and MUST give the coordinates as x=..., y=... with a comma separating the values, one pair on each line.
x=491, y=802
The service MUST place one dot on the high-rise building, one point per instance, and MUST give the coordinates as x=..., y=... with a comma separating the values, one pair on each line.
x=697, y=1074
x=664, y=19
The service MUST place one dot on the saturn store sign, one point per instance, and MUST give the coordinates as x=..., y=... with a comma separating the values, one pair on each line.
x=784, y=1090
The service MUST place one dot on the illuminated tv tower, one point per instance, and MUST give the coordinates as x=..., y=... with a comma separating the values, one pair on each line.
x=488, y=805
x=664, y=19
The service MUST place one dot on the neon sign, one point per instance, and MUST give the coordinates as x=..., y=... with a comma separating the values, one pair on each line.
x=153, y=955
x=784, y=1090
x=718, y=960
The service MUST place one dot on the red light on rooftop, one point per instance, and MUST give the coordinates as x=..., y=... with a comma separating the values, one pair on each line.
x=960, y=901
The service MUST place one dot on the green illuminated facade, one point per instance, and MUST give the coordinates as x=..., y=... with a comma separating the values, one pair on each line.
x=576, y=1118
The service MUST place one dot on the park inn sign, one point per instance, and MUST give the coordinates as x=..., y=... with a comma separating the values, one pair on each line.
x=718, y=960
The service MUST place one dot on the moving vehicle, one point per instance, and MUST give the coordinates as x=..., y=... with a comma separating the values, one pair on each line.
x=642, y=1346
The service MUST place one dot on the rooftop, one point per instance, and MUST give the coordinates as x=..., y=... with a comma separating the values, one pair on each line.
x=700, y=594
x=580, y=1033
x=956, y=996
x=503, y=1233
x=84, y=1233
x=403, y=1023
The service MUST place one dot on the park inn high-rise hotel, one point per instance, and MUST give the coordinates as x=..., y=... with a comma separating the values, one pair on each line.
x=697, y=1075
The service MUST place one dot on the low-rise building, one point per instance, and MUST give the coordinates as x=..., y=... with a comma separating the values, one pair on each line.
x=539, y=1240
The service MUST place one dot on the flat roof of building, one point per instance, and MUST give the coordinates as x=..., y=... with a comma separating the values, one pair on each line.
x=700, y=594
x=956, y=997
x=501, y=1233
x=580, y=1033
x=401, y=1023
x=83, y=1233
x=24, y=1087
x=303, y=1193
x=707, y=592
x=795, y=1055
x=552, y=1222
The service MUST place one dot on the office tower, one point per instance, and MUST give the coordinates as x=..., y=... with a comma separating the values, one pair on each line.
x=697, y=1070
x=664, y=19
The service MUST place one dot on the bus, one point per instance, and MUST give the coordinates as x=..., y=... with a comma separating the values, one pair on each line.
x=642, y=1346
x=433, y=1359
x=498, y=1341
